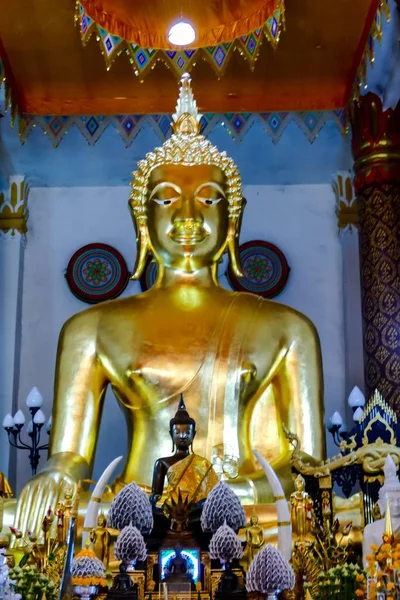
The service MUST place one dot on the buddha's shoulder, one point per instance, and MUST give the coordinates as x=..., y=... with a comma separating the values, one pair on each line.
x=268, y=311
x=102, y=313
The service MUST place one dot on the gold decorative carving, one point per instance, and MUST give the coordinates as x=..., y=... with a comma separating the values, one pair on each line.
x=179, y=596
x=325, y=483
x=13, y=207
x=139, y=578
x=389, y=429
x=377, y=400
x=371, y=456
x=152, y=559
x=346, y=202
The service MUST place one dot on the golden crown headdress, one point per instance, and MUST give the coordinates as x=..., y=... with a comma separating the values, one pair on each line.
x=186, y=147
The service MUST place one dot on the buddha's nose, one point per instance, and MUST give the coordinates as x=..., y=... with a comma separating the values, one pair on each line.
x=188, y=212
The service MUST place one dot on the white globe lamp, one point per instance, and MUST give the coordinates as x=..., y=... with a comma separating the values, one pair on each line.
x=181, y=34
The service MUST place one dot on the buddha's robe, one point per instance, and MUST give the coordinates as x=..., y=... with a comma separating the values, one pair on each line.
x=193, y=476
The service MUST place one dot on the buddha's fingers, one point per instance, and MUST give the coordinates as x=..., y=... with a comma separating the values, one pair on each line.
x=39, y=507
x=19, y=515
x=48, y=500
x=22, y=521
x=21, y=502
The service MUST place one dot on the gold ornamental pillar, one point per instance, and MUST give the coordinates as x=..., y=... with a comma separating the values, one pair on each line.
x=376, y=152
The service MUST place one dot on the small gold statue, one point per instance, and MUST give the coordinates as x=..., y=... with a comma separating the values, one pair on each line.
x=302, y=509
x=326, y=509
x=59, y=512
x=63, y=514
x=254, y=538
x=100, y=538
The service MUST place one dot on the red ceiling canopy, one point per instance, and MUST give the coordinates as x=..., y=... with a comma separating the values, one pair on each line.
x=313, y=67
x=146, y=23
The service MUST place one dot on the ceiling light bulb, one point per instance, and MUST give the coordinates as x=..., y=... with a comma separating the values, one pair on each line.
x=181, y=34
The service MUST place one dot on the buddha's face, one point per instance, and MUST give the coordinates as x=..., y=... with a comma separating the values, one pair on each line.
x=101, y=521
x=394, y=500
x=182, y=435
x=187, y=215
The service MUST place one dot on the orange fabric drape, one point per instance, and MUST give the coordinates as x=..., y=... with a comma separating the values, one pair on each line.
x=51, y=73
x=146, y=23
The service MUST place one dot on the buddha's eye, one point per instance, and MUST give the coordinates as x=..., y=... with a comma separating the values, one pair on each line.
x=208, y=201
x=165, y=201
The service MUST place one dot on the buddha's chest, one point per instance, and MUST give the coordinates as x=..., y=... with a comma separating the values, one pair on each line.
x=157, y=357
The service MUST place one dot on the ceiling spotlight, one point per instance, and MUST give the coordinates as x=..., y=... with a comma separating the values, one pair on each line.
x=181, y=34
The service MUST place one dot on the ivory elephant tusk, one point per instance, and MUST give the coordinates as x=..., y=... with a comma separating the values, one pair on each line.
x=282, y=509
x=94, y=503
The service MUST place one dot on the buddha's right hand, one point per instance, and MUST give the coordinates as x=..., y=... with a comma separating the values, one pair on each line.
x=63, y=470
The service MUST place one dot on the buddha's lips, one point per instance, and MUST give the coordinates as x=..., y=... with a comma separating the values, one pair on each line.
x=188, y=235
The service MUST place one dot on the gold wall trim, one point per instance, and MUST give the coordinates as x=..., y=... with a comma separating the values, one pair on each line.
x=346, y=202
x=13, y=207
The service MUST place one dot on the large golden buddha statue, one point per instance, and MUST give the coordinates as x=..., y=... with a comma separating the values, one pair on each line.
x=247, y=366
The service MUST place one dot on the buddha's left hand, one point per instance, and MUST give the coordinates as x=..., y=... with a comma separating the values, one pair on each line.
x=63, y=470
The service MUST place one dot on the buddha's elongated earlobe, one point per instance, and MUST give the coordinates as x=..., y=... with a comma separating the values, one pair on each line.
x=143, y=246
x=233, y=246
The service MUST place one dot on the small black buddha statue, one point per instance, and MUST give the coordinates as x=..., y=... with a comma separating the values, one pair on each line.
x=123, y=586
x=187, y=473
x=182, y=429
x=229, y=587
x=189, y=477
x=177, y=572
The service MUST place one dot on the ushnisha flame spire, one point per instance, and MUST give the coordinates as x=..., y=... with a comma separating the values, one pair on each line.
x=186, y=118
